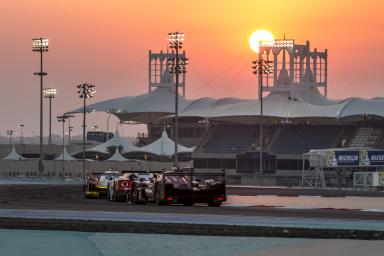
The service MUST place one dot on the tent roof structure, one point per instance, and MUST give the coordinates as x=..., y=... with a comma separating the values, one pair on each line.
x=67, y=156
x=163, y=146
x=116, y=141
x=117, y=157
x=13, y=155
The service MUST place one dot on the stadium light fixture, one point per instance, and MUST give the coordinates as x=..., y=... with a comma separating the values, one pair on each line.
x=61, y=119
x=261, y=67
x=284, y=43
x=177, y=65
x=85, y=91
x=50, y=93
x=10, y=133
x=40, y=45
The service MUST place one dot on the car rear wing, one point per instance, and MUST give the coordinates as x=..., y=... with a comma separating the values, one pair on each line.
x=194, y=174
x=100, y=173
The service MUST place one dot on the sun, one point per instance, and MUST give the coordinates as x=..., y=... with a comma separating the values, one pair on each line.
x=257, y=36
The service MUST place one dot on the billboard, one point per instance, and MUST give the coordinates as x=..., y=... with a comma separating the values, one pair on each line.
x=342, y=158
x=371, y=158
x=352, y=158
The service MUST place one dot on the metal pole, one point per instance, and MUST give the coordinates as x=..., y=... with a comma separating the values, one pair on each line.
x=21, y=134
x=84, y=113
x=50, y=121
x=69, y=129
x=109, y=115
x=261, y=113
x=63, y=147
x=41, y=113
x=176, y=105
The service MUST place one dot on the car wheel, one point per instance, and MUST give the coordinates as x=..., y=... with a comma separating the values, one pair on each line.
x=157, y=197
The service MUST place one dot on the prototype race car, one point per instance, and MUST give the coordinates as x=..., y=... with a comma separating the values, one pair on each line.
x=96, y=183
x=119, y=189
x=181, y=187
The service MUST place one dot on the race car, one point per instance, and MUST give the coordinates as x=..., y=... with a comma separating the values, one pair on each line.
x=96, y=183
x=182, y=186
x=119, y=189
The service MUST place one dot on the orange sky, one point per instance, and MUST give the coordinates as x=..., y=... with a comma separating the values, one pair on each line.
x=106, y=43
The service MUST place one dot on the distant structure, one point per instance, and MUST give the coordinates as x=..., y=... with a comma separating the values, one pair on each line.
x=158, y=71
x=296, y=67
x=295, y=113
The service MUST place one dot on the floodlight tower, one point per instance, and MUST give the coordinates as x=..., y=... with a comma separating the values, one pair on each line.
x=176, y=66
x=266, y=67
x=50, y=93
x=261, y=67
x=85, y=91
x=40, y=45
x=61, y=119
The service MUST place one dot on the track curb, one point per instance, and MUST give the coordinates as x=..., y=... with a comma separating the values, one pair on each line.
x=185, y=229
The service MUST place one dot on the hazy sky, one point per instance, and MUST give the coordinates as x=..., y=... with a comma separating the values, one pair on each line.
x=106, y=43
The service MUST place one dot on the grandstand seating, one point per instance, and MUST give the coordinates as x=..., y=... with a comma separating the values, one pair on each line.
x=300, y=139
x=231, y=139
x=366, y=137
x=291, y=139
x=380, y=140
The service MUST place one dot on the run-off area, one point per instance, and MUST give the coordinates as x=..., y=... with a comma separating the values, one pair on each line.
x=57, y=243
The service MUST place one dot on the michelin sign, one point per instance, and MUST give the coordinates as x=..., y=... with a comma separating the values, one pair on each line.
x=345, y=158
x=371, y=158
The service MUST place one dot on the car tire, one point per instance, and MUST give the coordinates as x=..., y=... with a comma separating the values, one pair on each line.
x=157, y=198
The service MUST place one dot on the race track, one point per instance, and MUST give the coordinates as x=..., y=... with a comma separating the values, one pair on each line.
x=70, y=197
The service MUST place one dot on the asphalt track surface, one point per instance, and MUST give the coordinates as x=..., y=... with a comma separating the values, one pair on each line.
x=70, y=197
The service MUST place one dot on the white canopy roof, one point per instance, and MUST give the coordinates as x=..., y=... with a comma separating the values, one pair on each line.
x=116, y=141
x=67, y=156
x=141, y=108
x=302, y=101
x=13, y=155
x=163, y=146
x=117, y=157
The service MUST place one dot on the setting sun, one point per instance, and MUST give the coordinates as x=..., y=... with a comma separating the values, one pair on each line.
x=257, y=36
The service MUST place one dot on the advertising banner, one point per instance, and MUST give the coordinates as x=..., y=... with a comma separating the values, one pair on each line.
x=354, y=158
x=371, y=158
x=342, y=158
